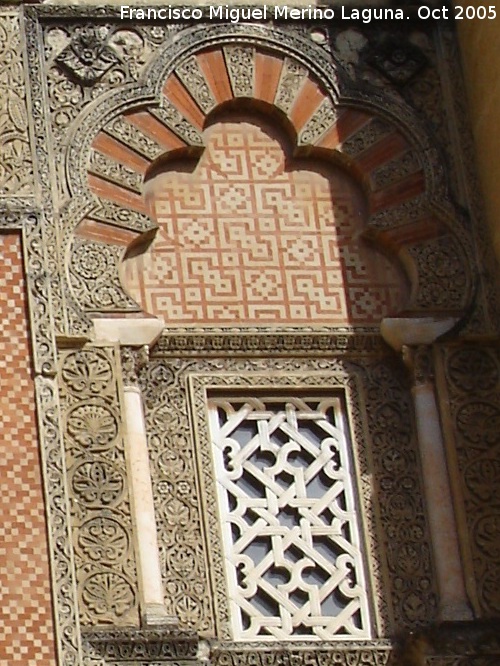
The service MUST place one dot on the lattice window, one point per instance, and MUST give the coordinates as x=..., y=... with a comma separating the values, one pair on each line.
x=291, y=537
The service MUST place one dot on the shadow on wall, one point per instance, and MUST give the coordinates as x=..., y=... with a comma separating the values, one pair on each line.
x=250, y=235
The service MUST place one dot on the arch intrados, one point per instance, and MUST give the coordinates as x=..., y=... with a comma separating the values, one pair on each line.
x=325, y=180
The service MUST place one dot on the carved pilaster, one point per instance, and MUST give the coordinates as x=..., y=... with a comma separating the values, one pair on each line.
x=98, y=488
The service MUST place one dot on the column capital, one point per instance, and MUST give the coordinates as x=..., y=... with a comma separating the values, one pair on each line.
x=133, y=359
x=419, y=362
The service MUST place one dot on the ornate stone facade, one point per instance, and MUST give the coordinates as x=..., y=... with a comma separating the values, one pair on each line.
x=96, y=114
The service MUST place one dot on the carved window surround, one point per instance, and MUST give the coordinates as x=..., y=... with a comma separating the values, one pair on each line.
x=54, y=310
x=202, y=387
x=334, y=361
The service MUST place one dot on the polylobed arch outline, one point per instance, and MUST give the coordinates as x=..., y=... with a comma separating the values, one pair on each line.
x=377, y=138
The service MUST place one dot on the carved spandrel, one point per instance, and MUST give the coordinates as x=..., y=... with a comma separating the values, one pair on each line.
x=443, y=281
x=94, y=277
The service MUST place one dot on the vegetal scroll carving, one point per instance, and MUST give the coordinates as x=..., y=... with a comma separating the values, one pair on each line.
x=403, y=536
x=16, y=168
x=97, y=484
x=473, y=385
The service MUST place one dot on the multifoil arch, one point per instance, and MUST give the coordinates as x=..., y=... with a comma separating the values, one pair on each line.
x=373, y=135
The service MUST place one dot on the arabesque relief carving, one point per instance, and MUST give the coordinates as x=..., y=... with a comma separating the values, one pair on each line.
x=16, y=167
x=472, y=381
x=404, y=567
x=146, y=54
x=97, y=485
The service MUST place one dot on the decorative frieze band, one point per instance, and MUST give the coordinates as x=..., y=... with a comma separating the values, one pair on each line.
x=248, y=342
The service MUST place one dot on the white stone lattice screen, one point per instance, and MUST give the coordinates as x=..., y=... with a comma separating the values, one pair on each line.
x=291, y=539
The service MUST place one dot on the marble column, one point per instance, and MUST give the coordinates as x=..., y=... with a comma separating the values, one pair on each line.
x=153, y=611
x=414, y=338
x=453, y=602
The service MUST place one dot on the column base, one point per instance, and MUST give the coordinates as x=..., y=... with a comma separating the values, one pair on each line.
x=156, y=615
x=455, y=613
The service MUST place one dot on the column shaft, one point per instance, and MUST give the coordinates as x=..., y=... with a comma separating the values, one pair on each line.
x=453, y=604
x=148, y=559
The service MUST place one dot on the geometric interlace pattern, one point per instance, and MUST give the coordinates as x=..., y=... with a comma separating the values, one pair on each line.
x=247, y=237
x=292, y=543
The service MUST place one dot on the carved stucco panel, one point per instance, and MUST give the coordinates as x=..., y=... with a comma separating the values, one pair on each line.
x=469, y=381
x=98, y=487
x=397, y=533
x=16, y=167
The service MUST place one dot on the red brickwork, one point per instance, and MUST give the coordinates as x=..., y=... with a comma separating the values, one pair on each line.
x=244, y=239
x=26, y=631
